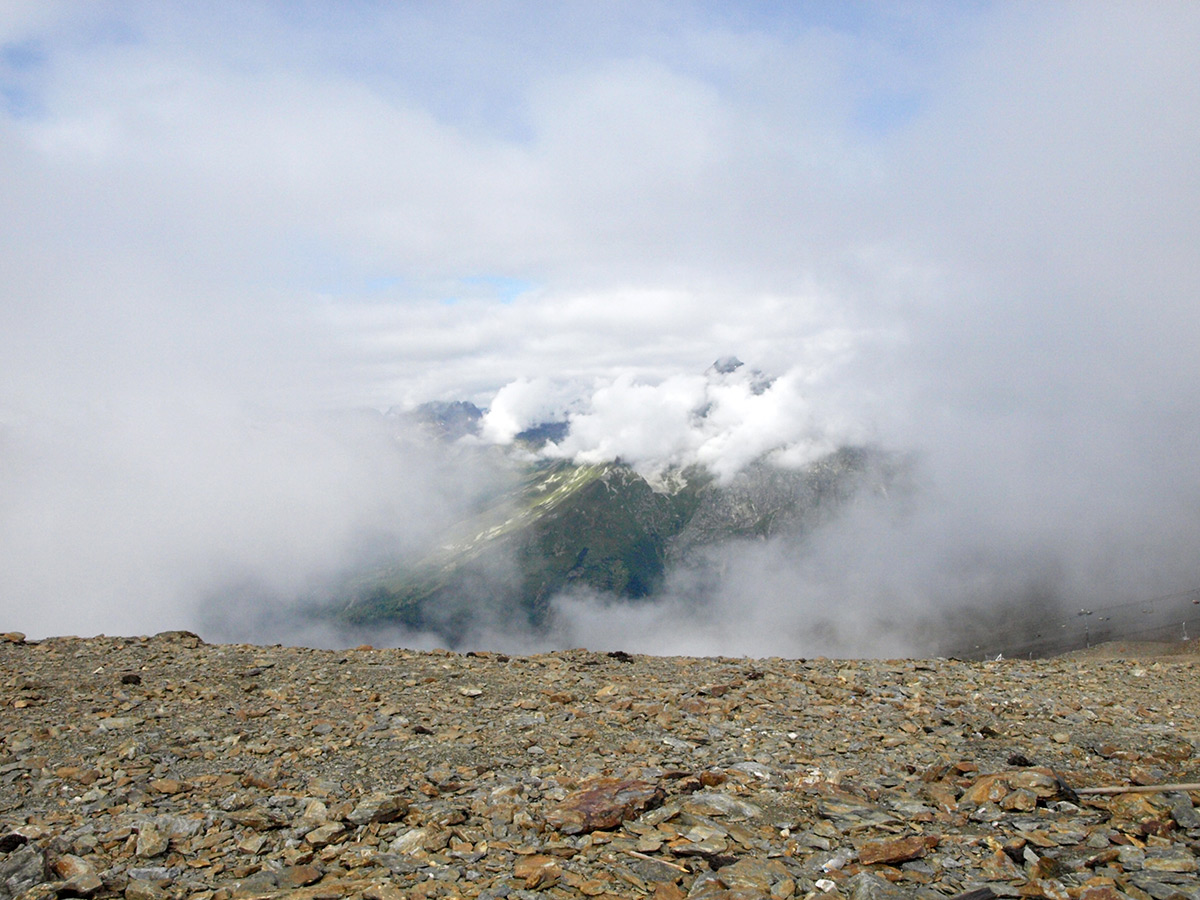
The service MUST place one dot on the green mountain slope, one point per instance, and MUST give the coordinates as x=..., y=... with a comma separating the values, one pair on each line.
x=599, y=527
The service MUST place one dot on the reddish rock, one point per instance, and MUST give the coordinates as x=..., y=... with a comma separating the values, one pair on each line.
x=604, y=803
x=70, y=866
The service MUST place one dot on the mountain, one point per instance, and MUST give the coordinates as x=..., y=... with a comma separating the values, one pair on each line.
x=447, y=421
x=604, y=528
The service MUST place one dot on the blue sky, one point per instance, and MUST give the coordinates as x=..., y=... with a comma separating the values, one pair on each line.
x=968, y=229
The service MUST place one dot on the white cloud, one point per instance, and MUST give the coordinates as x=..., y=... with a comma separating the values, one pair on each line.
x=639, y=423
x=522, y=404
x=967, y=232
x=720, y=420
x=146, y=517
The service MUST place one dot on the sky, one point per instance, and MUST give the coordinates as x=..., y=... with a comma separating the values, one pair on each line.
x=961, y=230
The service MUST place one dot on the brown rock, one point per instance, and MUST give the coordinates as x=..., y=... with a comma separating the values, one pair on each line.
x=70, y=866
x=77, y=773
x=998, y=867
x=1146, y=775
x=299, y=876
x=988, y=789
x=324, y=835
x=78, y=875
x=943, y=796
x=384, y=892
x=259, y=818
x=750, y=877
x=538, y=871
x=1170, y=859
x=255, y=780
x=1020, y=800
x=169, y=786
x=896, y=851
x=1048, y=889
x=604, y=803
x=1103, y=858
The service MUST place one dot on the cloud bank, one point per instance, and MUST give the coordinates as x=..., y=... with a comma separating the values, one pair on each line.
x=966, y=233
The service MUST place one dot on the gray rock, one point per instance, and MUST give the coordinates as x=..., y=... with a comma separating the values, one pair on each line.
x=151, y=842
x=380, y=808
x=136, y=889
x=1178, y=860
x=718, y=803
x=259, y=884
x=154, y=874
x=21, y=869
x=867, y=886
x=1182, y=811
x=1161, y=889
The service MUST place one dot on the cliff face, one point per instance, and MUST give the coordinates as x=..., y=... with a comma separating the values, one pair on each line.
x=167, y=767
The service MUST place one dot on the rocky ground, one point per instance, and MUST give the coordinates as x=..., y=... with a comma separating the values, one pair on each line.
x=157, y=767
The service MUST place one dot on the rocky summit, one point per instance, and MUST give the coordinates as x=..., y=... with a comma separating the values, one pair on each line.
x=165, y=767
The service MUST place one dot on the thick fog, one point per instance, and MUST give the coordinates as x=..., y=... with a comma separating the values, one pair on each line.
x=229, y=241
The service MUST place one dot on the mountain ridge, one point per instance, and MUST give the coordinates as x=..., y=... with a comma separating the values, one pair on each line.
x=605, y=528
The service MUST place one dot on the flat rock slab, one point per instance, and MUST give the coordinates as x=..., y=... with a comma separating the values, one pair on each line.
x=604, y=803
x=900, y=850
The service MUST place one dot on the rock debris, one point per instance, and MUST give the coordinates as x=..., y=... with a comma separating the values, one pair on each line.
x=164, y=767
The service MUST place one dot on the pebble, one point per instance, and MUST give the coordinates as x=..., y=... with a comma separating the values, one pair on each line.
x=239, y=772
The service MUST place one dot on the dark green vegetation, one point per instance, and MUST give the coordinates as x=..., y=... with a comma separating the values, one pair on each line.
x=600, y=528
